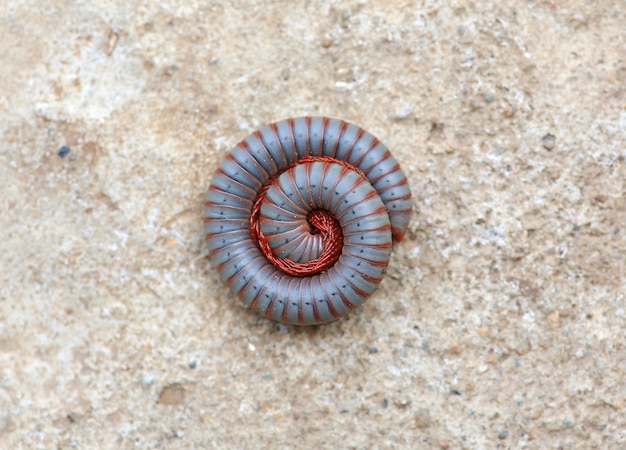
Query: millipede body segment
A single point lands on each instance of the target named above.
(300, 218)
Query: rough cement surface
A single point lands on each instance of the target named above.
(502, 321)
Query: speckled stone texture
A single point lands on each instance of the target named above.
(501, 323)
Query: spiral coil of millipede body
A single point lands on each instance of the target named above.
(300, 218)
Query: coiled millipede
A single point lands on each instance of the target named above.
(300, 217)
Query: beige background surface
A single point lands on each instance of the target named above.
(501, 323)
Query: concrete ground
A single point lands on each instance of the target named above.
(501, 323)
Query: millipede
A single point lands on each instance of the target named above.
(300, 218)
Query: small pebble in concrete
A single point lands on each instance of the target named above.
(64, 150)
(601, 198)
(489, 96)
(503, 433)
(549, 141)
(173, 394)
(403, 111)
(403, 402)
(147, 380)
(423, 418)
(568, 422)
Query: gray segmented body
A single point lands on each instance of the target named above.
(372, 205)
